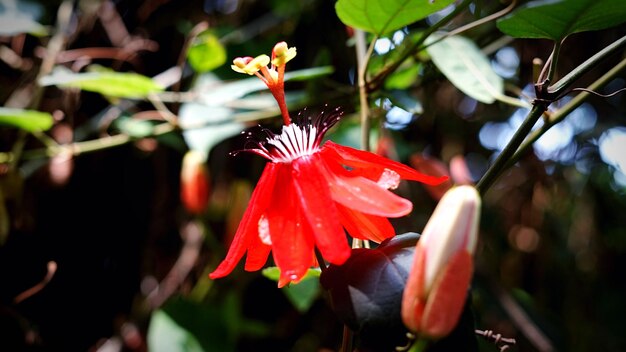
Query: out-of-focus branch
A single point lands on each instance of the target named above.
(536, 337)
(52, 268)
(192, 234)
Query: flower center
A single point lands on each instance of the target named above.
(300, 138)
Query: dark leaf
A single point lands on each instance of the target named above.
(366, 291)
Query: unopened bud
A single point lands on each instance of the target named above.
(194, 182)
(437, 286)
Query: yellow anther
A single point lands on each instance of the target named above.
(282, 54)
(249, 65)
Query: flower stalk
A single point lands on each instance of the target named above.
(273, 76)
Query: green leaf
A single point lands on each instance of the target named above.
(404, 77)
(165, 335)
(108, 83)
(468, 68)
(556, 19)
(184, 325)
(29, 120)
(273, 273)
(303, 294)
(206, 53)
(384, 16)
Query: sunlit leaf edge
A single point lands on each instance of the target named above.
(28, 120)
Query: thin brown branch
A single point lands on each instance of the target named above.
(522, 321)
(52, 268)
(192, 234)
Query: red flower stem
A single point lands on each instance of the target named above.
(262, 78)
(279, 94)
(281, 75)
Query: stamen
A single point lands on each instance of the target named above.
(300, 138)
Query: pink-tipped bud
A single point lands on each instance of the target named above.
(194, 182)
(437, 286)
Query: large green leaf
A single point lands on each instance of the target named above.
(108, 83)
(182, 325)
(206, 53)
(556, 19)
(384, 16)
(467, 67)
(29, 120)
(166, 335)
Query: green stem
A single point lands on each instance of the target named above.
(559, 115)
(479, 22)
(380, 77)
(502, 160)
(81, 147)
(544, 98)
(362, 58)
(419, 345)
(554, 59)
(564, 83)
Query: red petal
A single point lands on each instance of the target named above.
(447, 297)
(433, 167)
(413, 300)
(365, 226)
(257, 254)
(248, 227)
(319, 209)
(361, 159)
(292, 241)
(361, 194)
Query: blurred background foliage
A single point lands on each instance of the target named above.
(125, 263)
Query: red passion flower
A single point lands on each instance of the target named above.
(308, 193)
